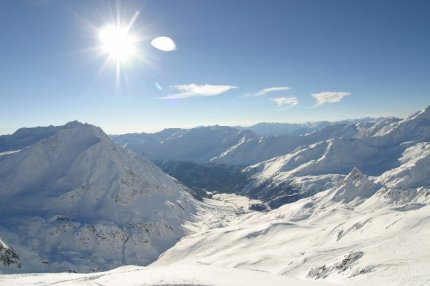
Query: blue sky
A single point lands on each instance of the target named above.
(236, 62)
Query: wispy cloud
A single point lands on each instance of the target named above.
(193, 90)
(329, 97)
(281, 101)
(272, 89)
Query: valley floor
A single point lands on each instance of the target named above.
(310, 242)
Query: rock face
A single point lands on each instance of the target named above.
(8, 257)
(76, 201)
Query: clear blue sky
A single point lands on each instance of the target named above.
(371, 57)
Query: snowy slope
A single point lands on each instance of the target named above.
(357, 229)
(375, 150)
(164, 275)
(321, 240)
(355, 233)
(76, 201)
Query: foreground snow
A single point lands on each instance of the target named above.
(164, 275)
(315, 241)
(361, 242)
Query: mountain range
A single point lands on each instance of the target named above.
(342, 202)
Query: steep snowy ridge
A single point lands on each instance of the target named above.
(413, 127)
(76, 201)
(355, 186)
(413, 169)
(397, 152)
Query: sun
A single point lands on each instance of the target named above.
(118, 43)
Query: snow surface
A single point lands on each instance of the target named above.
(160, 275)
(318, 238)
(76, 201)
(314, 241)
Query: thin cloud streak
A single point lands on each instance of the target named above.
(329, 97)
(195, 90)
(268, 90)
(281, 101)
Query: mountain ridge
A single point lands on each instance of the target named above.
(78, 192)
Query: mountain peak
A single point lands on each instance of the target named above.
(354, 175)
(355, 185)
(74, 124)
(118, 207)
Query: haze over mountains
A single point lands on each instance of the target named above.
(240, 146)
(344, 202)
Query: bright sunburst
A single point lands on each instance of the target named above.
(122, 46)
(117, 43)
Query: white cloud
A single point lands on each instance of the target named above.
(192, 90)
(281, 101)
(164, 44)
(272, 89)
(329, 97)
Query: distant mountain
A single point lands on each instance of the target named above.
(274, 128)
(296, 129)
(380, 150)
(198, 145)
(72, 200)
(227, 145)
(25, 137)
(283, 168)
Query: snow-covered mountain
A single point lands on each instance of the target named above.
(274, 128)
(296, 129)
(345, 204)
(361, 231)
(227, 145)
(282, 168)
(198, 144)
(378, 150)
(72, 200)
